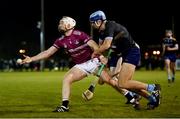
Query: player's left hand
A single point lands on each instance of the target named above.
(26, 59)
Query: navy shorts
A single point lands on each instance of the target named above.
(113, 60)
(171, 57)
(132, 56)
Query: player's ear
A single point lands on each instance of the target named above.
(68, 26)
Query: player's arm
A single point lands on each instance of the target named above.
(93, 44)
(105, 45)
(95, 47)
(100, 42)
(43, 55)
(163, 49)
(176, 47)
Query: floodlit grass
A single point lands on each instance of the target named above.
(36, 94)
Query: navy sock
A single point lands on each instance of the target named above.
(91, 88)
(129, 96)
(151, 98)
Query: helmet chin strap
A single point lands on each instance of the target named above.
(69, 29)
(64, 31)
(100, 26)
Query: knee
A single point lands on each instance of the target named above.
(113, 82)
(167, 66)
(123, 84)
(67, 79)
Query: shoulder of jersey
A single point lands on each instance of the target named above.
(174, 38)
(76, 32)
(165, 38)
(62, 37)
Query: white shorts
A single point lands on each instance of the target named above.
(90, 66)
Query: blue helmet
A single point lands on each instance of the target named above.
(98, 15)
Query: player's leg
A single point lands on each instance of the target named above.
(76, 73)
(73, 75)
(112, 66)
(114, 69)
(125, 81)
(128, 94)
(114, 83)
(168, 69)
(173, 70)
(173, 66)
(132, 98)
(131, 59)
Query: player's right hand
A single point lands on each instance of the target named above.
(26, 59)
(95, 54)
(103, 59)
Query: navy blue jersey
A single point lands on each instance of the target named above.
(122, 40)
(169, 42)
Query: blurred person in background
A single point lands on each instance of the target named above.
(170, 47)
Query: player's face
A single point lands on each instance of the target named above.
(61, 26)
(168, 34)
(93, 25)
(96, 24)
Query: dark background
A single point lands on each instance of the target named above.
(146, 21)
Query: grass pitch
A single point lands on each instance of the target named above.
(36, 95)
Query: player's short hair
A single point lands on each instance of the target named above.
(168, 31)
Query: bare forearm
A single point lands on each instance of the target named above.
(40, 56)
(93, 44)
(176, 47)
(102, 49)
(172, 49)
(106, 45)
(45, 54)
(163, 50)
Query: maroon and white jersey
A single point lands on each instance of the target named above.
(76, 46)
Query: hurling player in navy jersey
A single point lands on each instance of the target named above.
(117, 37)
(80, 48)
(170, 46)
(114, 63)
